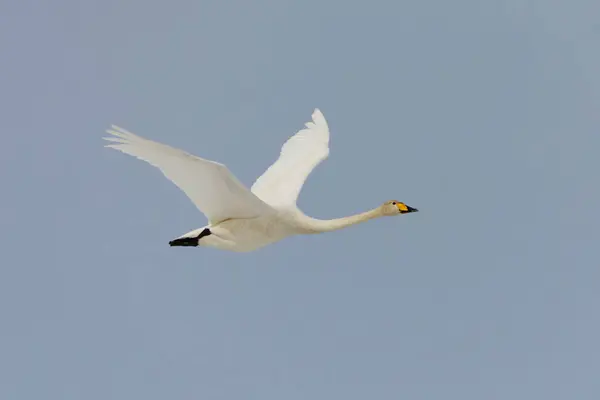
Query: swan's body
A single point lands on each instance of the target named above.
(241, 219)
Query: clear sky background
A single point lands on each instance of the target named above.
(482, 114)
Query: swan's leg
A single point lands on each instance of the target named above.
(190, 241)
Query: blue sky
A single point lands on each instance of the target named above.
(482, 114)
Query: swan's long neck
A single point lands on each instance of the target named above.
(313, 225)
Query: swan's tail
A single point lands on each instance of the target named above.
(191, 238)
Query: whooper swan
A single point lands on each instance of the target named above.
(240, 219)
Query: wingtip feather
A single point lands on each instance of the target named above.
(121, 135)
(318, 118)
(119, 129)
(115, 139)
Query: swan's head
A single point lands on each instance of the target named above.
(395, 207)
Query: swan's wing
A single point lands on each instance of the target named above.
(210, 185)
(280, 185)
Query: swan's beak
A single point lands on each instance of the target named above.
(407, 210)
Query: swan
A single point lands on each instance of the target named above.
(244, 220)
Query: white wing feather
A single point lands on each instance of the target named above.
(210, 185)
(280, 185)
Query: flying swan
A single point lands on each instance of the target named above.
(240, 219)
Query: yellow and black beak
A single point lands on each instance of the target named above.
(404, 209)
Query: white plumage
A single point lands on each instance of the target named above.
(281, 183)
(241, 219)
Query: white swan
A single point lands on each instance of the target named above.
(240, 219)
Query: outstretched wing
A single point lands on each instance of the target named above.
(210, 185)
(280, 185)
